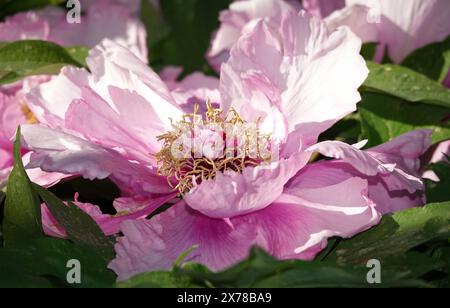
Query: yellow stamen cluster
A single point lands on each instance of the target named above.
(183, 172)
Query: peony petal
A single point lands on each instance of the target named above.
(286, 65)
(391, 191)
(385, 199)
(155, 244)
(405, 150)
(49, 108)
(42, 178)
(356, 18)
(292, 227)
(114, 65)
(233, 194)
(55, 151)
(132, 126)
(369, 165)
(234, 20)
(298, 224)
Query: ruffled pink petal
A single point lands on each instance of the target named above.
(356, 17)
(42, 178)
(368, 164)
(292, 227)
(297, 67)
(298, 224)
(385, 199)
(55, 151)
(133, 125)
(114, 65)
(156, 243)
(111, 65)
(251, 105)
(50, 109)
(233, 194)
(404, 150)
(391, 191)
(234, 20)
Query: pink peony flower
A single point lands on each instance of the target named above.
(401, 26)
(102, 19)
(283, 83)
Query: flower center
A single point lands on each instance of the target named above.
(199, 147)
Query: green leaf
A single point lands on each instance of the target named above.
(404, 83)
(439, 192)
(43, 263)
(80, 227)
(262, 271)
(10, 7)
(79, 54)
(396, 234)
(22, 214)
(161, 279)
(368, 50)
(30, 57)
(432, 60)
(384, 117)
